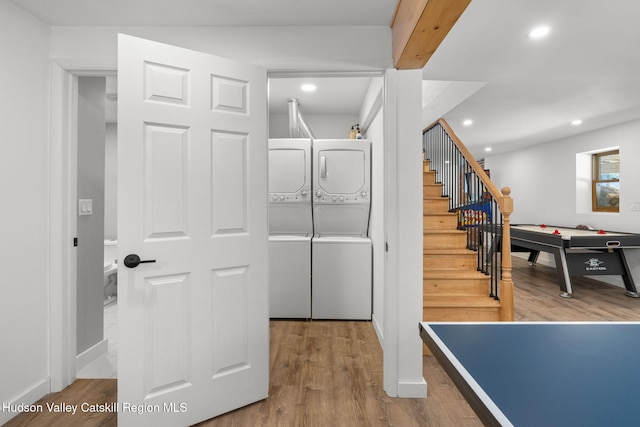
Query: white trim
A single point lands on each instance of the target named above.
(91, 354)
(373, 111)
(377, 327)
(288, 74)
(29, 397)
(62, 226)
(408, 210)
(390, 310)
(88, 66)
(414, 390)
(62, 301)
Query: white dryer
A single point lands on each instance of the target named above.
(341, 187)
(341, 248)
(290, 228)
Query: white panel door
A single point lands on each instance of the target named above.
(192, 188)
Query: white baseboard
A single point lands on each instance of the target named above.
(28, 398)
(415, 390)
(91, 354)
(378, 328)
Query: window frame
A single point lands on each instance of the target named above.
(595, 174)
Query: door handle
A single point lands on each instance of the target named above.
(133, 260)
(323, 166)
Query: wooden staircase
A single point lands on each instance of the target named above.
(453, 288)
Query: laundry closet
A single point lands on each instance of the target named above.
(321, 221)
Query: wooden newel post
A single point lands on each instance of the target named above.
(506, 282)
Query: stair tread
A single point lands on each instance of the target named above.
(460, 301)
(449, 251)
(439, 214)
(439, 231)
(430, 273)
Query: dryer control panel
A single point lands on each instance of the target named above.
(361, 196)
(303, 195)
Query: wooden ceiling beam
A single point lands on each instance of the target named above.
(418, 28)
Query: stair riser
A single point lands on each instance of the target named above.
(440, 222)
(445, 241)
(428, 177)
(439, 205)
(457, 314)
(461, 281)
(460, 262)
(432, 190)
(431, 287)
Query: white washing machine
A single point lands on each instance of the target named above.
(290, 277)
(342, 278)
(341, 250)
(290, 228)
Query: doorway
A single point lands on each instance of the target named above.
(96, 180)
(63, 211)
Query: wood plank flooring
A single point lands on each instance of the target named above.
(81, 391)
(330, 373)
(537, 297)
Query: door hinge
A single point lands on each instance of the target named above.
(386, 246)
(75, 241)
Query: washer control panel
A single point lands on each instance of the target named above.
(302, 195)
(358, 197)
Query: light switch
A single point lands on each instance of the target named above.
(85, 206)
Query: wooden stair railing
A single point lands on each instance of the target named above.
(463, 183)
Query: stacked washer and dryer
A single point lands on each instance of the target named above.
(319, 250)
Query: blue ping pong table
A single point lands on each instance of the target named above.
(543, 373)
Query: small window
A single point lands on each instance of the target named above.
(606, 182)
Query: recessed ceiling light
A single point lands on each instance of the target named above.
(308, 87)
(487, 149)
(576, 122)
(539, 32)
(467, 122)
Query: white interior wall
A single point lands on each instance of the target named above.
(403, 270)
(409, 244)
(90, 228)
(375, 133)
(546, 187)
(275, 48)
(111, 182)
(323, 126)
(24, 157)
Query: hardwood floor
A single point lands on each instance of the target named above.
(81, 391)
(537, 297)
(330, 373)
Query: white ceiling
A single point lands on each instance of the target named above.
(211, 12)
(516, 90)
(588, 68)
(333, 95)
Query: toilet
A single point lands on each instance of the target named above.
(110, 271)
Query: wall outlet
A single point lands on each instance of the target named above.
(635, 206)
